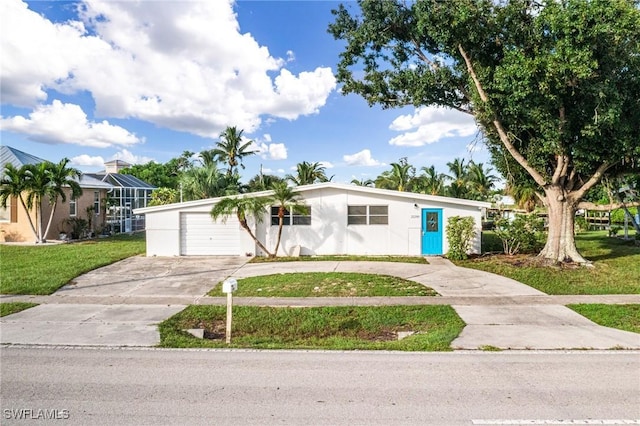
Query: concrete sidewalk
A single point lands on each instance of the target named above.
(499, 312)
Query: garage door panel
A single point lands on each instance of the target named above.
(201, 236)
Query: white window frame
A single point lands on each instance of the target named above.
(290, 218)
(367, 215)
(73, 207)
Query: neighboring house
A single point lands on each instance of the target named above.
(98, 192)
(342, 219)
(128, 193)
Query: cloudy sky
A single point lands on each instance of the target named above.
(147, 80)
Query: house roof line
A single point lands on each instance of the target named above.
(330, 185)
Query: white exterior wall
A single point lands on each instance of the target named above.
(163, 232)
(330, 234)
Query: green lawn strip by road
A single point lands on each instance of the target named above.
(336, 328)
(341, 258)
(326, 284)
(616, 268)
(14, 307)
(623, 317)
(42, 269)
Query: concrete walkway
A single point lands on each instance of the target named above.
(499, 312)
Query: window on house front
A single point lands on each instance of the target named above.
(367, 215)
(96, 203)
(73, 207)
(291, 217)
(5, 212)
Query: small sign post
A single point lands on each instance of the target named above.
(229, 286)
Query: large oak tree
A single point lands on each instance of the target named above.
(554, 85)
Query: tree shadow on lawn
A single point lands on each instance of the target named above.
(607, 248)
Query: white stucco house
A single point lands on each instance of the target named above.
(342, 219)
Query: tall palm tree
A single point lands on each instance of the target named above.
(458, 186)
(37, 185)
(286, 199)
(480, 180)
(399, 178)
(243, 206)
(14, 185)
(431, 182)
(59, 177)
(308, 173)
(231, 150)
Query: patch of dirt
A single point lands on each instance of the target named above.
(526, 260)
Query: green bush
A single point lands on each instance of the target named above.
(617, 216)
(521, 235)
(460, 233)
(581, 224)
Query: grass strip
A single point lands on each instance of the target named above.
(42, 269)
(622, 317)
(14, 307)
(334, 328)
(326, 284)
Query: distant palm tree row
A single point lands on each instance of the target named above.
(471, 180)
(215, 173)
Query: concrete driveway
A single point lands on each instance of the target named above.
(120, 304)
(140, 276)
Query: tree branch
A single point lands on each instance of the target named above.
(593, 180)
(588, 205)
(498, 125)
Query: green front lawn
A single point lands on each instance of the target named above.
(33, 269)
(616, 267)
(338, 328)
(330, 284)
(341, 258)
(623, 317)
(14, 307)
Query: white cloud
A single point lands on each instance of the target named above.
(326, 164)
(67, 123)
(179, 65)
(87, 161)
(431, 124)
(291, 56)
(362, 158)
(129, 157)
(267, 150)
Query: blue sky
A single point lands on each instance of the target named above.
(139, 81)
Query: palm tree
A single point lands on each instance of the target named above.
(308, 173)
(261, 182)
(37, 185)
(231, 150)
(14, 185)
(60, 176)
(480, 181)
(431, 182)
(243, 206)
(363, 182)
(199, 183)
(524, 194)
(399, 178)
(286, 199)
(458, 187)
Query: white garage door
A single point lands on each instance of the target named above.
(201, 236)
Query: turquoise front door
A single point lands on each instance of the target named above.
(431, 231)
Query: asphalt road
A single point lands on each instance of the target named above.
(190, 387)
